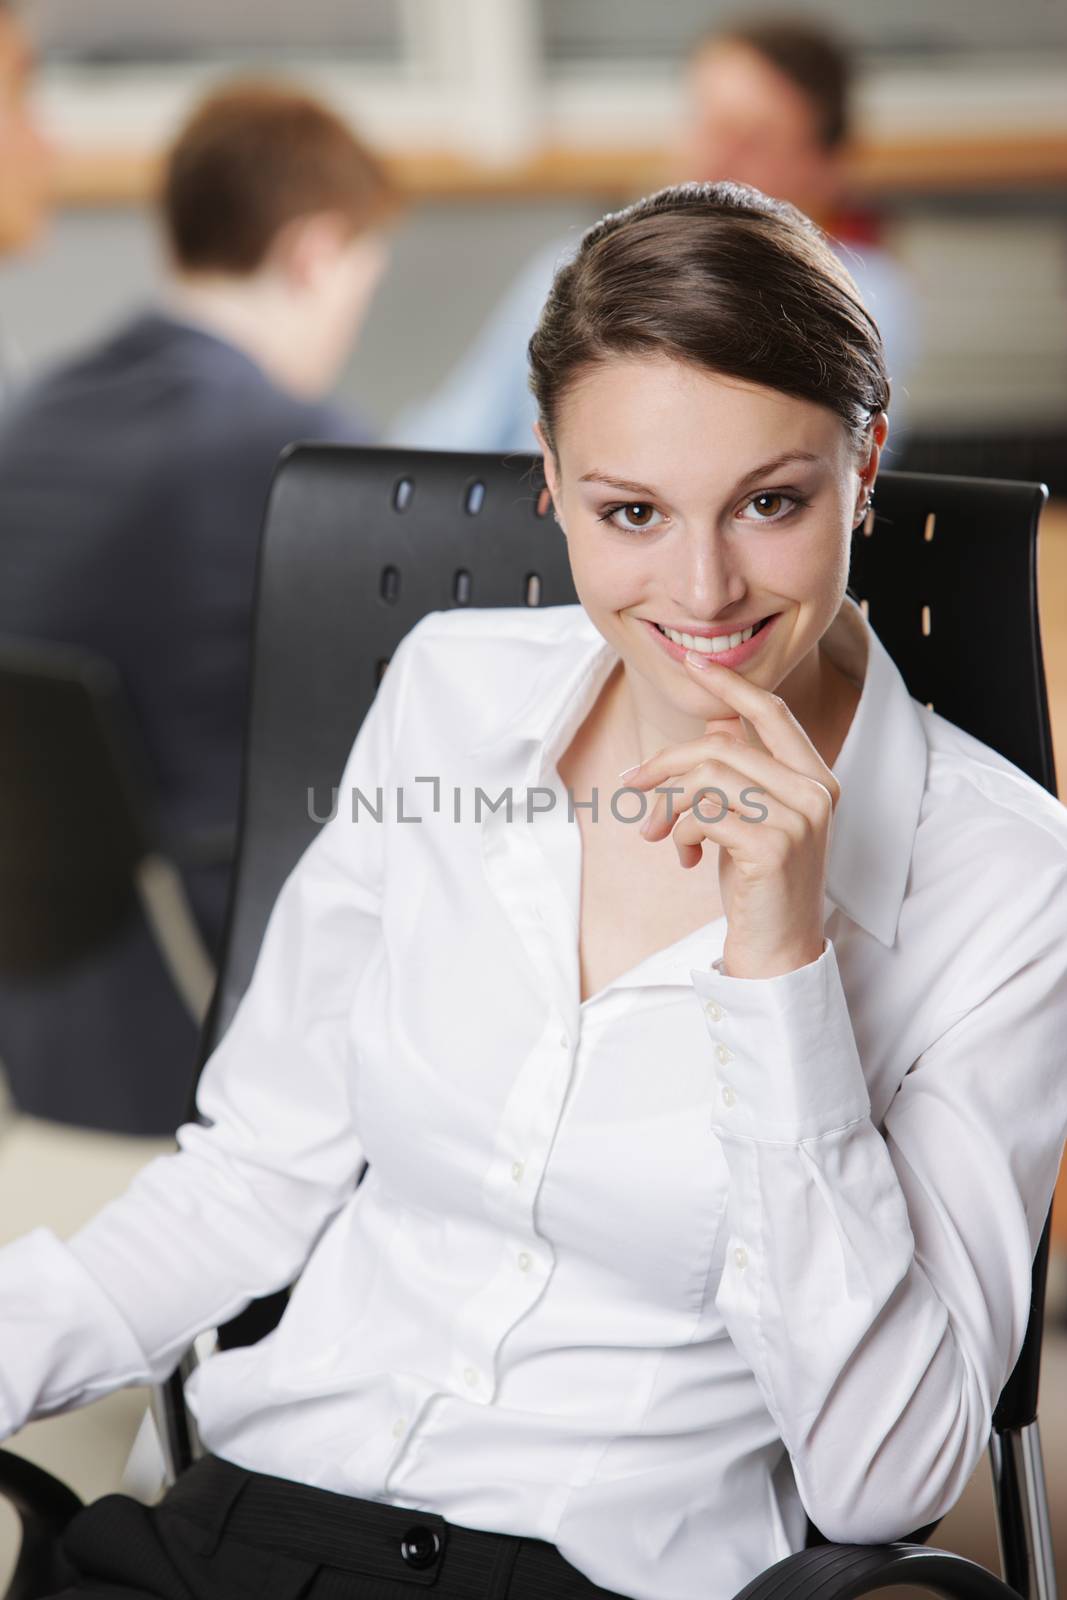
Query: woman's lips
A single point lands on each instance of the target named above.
(729, 658)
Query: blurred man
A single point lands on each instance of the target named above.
(765, 102)
(133, 481)
(24, 161)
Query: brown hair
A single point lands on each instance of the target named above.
(722, 276)
(253, 156)
(812, 57)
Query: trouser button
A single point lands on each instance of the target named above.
(420, 1546)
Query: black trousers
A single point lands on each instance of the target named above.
(222, 1533)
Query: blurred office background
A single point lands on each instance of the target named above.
(511, 123)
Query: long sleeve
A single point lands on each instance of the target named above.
(877, 1281)
(234, 1213)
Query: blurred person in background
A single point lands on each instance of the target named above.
(133, 482)
(24, 165)
(766, 102)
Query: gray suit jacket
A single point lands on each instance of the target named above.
(133, 480)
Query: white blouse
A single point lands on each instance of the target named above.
(645, 1276)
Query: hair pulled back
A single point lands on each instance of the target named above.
(724, 277)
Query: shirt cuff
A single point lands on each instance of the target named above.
(783, 1052)
(62, 1341)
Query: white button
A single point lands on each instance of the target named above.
(525, 1260)
(470, 1376)
(516, 1170)
(723, 1054)
(714, 1010)
(564, 1041)
(741, 1257)
(728, 1096)
(398, 1427)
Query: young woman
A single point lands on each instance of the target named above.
(706, 1161)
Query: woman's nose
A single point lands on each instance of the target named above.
(707, 581)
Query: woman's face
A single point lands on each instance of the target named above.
(676, 516)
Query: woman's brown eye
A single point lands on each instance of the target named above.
(633, 518)
(768, 496)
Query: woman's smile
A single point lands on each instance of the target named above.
(736, 654)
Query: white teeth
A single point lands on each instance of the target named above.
(710, 647)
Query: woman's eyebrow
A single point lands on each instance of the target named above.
(757, 472)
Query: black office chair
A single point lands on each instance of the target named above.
(359, 544)
(84, 864)
(80, 846)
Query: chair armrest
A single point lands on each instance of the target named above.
(174, 927)
(842, 1571)
(44, 1506)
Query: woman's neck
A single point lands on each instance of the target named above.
(818, 693)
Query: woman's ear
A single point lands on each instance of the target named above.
(879, 432)
(868, 472)
(550, 464)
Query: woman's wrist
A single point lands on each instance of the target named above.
(739, 963)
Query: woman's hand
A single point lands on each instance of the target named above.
(775, 834)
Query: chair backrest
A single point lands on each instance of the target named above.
(360, 543)
(73, 806)
(946, 559)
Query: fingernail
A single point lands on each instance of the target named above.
(697, 658)
(625, 773)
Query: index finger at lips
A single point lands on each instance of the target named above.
(773, 722)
